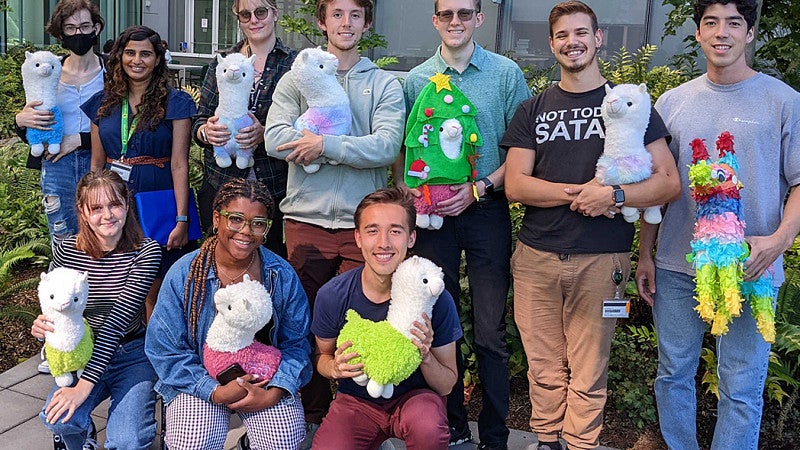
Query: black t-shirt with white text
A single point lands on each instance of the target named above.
(566, 131)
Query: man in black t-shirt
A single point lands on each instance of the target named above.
(573, 251)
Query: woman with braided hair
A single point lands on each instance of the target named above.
(198, 407)
(140, 129)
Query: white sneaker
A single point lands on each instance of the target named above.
(43, 366)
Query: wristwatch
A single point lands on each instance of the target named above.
(203, 136)
(488, 186)
(618, 195)
(181, 219)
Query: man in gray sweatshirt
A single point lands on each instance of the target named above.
(319, 206)
(760, 112)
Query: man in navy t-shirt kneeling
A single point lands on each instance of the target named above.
(416, 411)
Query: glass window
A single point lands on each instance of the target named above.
(410, 34)
(526, 37)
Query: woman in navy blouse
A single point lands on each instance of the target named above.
(140, 129)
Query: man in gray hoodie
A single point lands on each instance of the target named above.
(319, 207)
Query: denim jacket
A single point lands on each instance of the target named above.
(178, 360)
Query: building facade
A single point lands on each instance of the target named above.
(196, 29)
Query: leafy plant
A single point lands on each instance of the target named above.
(627, 67)
(299, 23)
(631, 373)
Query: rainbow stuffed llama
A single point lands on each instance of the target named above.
(718, 245)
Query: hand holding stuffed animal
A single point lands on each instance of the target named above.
(41, 73)
(385, 347)
(62, 296)
(441, 141)
(314, 72)
(242, 310)
(235, 74)
(625, 160)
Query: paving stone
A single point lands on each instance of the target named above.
(15, 409)
(19, 373)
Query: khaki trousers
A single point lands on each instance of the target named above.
(558, 302)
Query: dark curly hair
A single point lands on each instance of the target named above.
(154, 101)
(65, 9)
(195, 288)
(747, 8)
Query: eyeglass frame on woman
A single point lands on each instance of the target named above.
(447, 15)
(247, 15)
(245, 222)
(88, 25)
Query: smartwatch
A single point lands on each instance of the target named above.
(181, 219)
(618, 195)
(202, 129)
(488, 186)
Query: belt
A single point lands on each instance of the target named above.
(141, 160)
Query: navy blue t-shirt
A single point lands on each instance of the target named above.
(345, 292)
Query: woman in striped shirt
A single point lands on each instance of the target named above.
(121, 264)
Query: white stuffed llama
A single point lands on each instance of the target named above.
(41, 72)
(242, 309)
(385, 348)
(625, 160)
(314, 72)
(235, 74)
(62, 296)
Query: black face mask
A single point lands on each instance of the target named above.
(80, 44)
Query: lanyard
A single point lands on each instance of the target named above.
(124, 131)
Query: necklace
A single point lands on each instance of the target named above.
(232, 279)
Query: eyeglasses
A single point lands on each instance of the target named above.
(236, 222)
(464, 15)
(261, 13)
(86, 28)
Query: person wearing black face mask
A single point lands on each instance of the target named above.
(80, 43)
(76, 24)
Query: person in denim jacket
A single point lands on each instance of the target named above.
(198, 407)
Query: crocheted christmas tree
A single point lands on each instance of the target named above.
(441, 136)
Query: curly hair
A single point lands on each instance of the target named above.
(154, 101)
(195, 288)
(114, 187)
(65, 9)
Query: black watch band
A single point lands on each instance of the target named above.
(488, 186)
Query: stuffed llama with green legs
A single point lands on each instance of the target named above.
(63, 294)
(386, 347)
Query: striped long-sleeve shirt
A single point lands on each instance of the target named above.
(118, 286)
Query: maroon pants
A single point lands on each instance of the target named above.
(318, 254)
(418, 417)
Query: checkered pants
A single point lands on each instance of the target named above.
(193, 423)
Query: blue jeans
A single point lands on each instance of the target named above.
(128, 380)
(483, 232)
(742, 359)
(58, 184)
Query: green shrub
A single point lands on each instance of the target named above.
(631, 373)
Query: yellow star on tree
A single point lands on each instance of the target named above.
(441, 81)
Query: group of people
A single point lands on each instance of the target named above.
(326, 242)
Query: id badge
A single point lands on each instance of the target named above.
(616, 308)
(124, 170)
